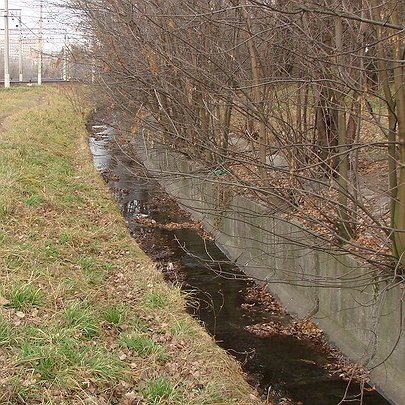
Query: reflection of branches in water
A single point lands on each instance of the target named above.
(352, 280)
(234, 274)
(208, 300)
(140, 170)
(221, 269)
(173, 110)
(315, 241)
(371, 254)
(248, 354)
(354, 283)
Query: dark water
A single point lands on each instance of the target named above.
(286, 366)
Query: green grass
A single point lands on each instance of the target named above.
(18, 98)
(143, 346)
(83, 318)
(94, 272)
(115, 315)
(155, 300)
(86, 263)
(35, 200)
(183, 327)
(54, 357)
(43, 359)
(103, 365)
(24, 296)
(13, 261)
(79, 319)
(5, 332)
(161, 390)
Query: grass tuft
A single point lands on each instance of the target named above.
(35, 200)
(155, 300)
(115, 315)
(44, 360)
(182, 327)
(86, 263)
(159, 390)
(5, 332)
(104, 365)
(13, 261)
(81, 317)
(143, 346)
(24, 296)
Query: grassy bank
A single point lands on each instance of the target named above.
(84, 316)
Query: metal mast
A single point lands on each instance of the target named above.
(40, 43)
(6, 47)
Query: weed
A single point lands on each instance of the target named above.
(213, 394)
(5, 332)
(93, 274)
(86, 263)
(13, 261)
(81, 317)
(155, 300)
(108, 267)
(24, 296)
(94, 248)
(143, 345)
(4, 210)
(43, 359)
(51, 251)
(55, 356)
(138, 325)
(3, 235)
(95, 277)
(182, 327)
(115, 314)
(65, 238)
(160, 389)
(68, 200)
(35, 200)
(102, 364)
(140, 344)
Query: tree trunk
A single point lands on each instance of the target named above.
(399, 84)
(257, 91)
(344, 227)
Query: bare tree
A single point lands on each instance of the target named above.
(301, 102)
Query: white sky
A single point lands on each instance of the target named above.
(55, 22)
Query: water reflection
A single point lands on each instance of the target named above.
(285, 365)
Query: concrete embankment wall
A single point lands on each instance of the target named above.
(361, 317)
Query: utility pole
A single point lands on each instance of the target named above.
(6, 47)
(20, 56)
(40, 44)
(65, 59)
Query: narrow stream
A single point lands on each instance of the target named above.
(289, 368)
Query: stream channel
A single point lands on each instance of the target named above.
(288, 369)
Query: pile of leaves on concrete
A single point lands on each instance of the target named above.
(85, 318)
